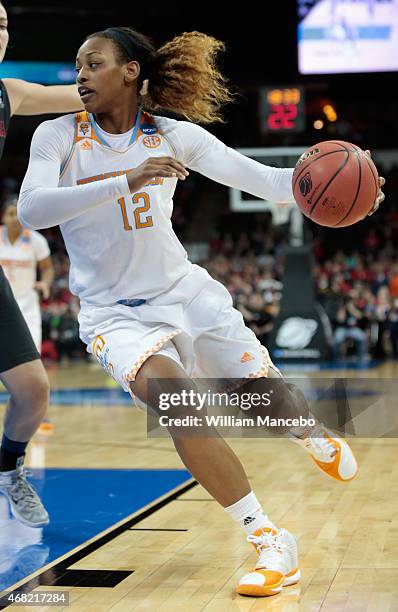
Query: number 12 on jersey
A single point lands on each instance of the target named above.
(139, 221)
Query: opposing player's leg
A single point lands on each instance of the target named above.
(24, 376)
(32, 315)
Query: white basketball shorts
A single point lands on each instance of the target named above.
(194, 323)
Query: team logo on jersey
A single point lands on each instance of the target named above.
(26, 237)
(86, 145)
(148, 129)
(84, 129)
(101, 351)
(151, 142)
(3, 132)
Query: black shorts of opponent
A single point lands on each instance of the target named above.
(16, 343)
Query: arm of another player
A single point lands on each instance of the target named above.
(46, 277)
(34, 99)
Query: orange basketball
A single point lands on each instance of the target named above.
(335, 183)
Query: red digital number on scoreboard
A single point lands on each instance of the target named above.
(282, 109)
(282, 117)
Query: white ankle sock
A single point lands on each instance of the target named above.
(249, 514)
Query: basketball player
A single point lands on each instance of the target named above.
(22, 251)
(21, 370)
(107, 176)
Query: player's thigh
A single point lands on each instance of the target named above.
(17, 345)
(162, 374)
(224, 346)
(227, 349)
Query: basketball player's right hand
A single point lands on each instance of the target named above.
(165, 167)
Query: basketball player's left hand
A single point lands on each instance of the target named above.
(380, 195)
(42, 288)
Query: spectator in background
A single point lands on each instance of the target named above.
(382, 307)
(394, 281)
(255, 314)
(347, 326)
(371, 240)
(61, 331)
(22, 252)
(392, 327)
(67, 333)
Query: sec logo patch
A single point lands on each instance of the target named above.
(151, 141)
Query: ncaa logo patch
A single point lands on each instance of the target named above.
(305, 184)
(84, 129)
(151, 142)
(148, 129)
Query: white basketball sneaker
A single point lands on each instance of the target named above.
(277, 563)
(329, 452)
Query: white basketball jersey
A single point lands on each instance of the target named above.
(121, 250)
(19, 259)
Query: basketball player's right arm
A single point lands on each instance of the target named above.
(42, 203)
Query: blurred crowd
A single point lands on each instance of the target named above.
(356, 276)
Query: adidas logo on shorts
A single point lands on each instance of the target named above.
(246, 357)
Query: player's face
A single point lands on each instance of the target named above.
(10, 219)
(3, 32)
(101, 79)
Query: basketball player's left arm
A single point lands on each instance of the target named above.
(34, 99)
(203, 152)
(46, 277)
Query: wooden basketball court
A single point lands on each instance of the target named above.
(181, 552)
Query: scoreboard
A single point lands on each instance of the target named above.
(282, 109)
